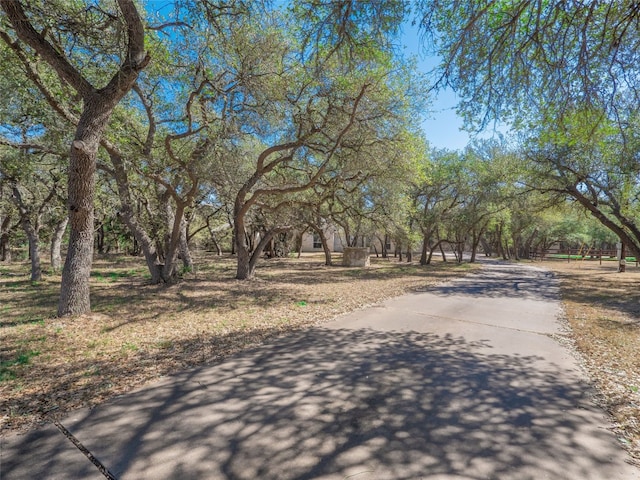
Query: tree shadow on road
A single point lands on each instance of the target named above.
(354, 404)
(506, 280)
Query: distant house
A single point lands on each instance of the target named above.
(311, 242)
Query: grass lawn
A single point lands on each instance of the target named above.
(138, 332)
(603, 309)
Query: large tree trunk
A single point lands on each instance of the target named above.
(243, 269)
(56, 244)
(98, 104)
(74, 290)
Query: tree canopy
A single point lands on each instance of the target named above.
(252, 122)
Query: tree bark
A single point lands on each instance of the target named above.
(475, 242)
(100, 238)
(632, 241)
(444, 255)
(172, 245)
(5, 252)
(325, 245)
(486, 247)
(98, 104)
(268, 236)
(34, 253)
(185, 252)
(243, 270)
(30, 222)
(56, 244)
(74, 291)
(212, 235)
(130, 219)
(426, 239)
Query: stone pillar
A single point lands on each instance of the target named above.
(355, 257)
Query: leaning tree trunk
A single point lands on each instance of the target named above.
(444, 255)
(214, 240)
(257, 252)
(432, 251)
(185, 253)
(324, 242)
(243, 269)
(217, 246)
(169, 271)
(56, 244)
(426, 240)
(130, 218)
(325, 248)
(31, 230)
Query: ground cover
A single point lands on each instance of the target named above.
(138, 332)
(602, 307)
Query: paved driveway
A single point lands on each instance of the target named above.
(466, 381)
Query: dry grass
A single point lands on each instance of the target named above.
(138, 332)
(603, 310)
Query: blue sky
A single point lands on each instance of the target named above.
(443, 126)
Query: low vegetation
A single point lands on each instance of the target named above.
(603, 310)
(138, 332)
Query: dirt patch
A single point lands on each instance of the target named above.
(603, 309)
(138, 332)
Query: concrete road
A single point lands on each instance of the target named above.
(465, 381)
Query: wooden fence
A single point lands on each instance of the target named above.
(576, 255)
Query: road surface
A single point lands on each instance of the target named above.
(466, 381)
